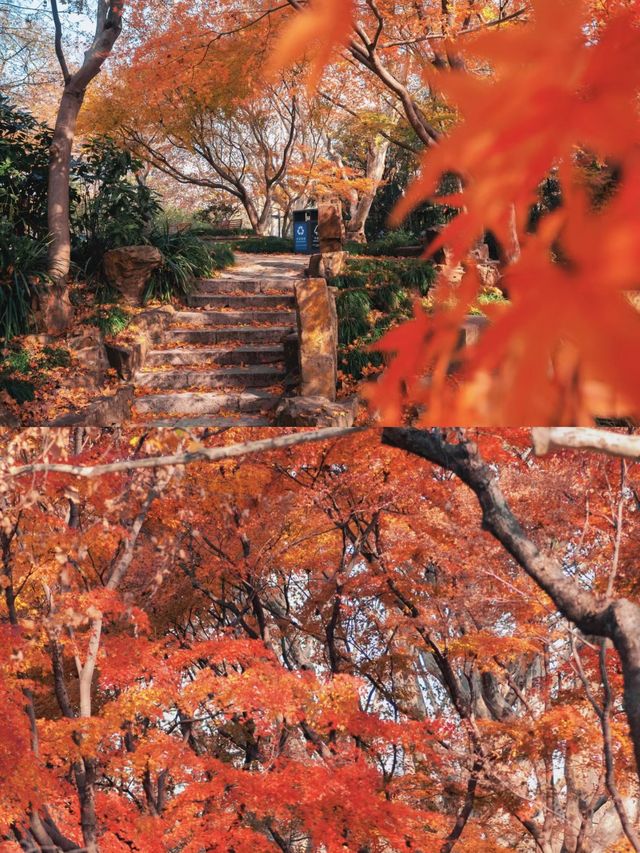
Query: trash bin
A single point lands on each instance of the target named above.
(305, 231)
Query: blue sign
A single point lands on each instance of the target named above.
(301, 236)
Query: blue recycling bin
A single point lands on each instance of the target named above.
(305, 231)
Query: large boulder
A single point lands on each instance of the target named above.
(330, 226)
(128, 270)
(327, 265)
(317, 338)
(315, 412)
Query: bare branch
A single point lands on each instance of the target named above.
(204, 454)
(545, 440)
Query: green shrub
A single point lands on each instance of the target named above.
(350, 279)
(24, 165)
(16, 361)
(416, 274)
(205, 229)
(390, 298)
(113, 207)
(186, 257)
(386, 285)
(386, 245)
(23, 264)
(264, 245)
(353, 309)
(221, 255)
(110, 320)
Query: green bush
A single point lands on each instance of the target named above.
(24, 165)
(21, 390)
(221, 255)
(16, 361)
(264, 245)
(16, 364)
(205, 229)
(54, 357)
(23, 264)
(386, 245)
(390, 298)
(353, 309)
(186, 257)
(373, 295)
(387, 274)
(113, 207)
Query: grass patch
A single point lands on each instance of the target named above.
(111, 320)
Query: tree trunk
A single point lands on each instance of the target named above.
(55, 305)
(264, 223)
(55, 308)
(376, 161)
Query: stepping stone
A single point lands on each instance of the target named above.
(256, 376)
(223, 318)
(220, 355)
(239, 285)
(255, 301)
(220, 422)
(195, 404)
(226, 334)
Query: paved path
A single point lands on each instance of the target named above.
(221, 361)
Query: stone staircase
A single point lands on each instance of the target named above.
(220, 362)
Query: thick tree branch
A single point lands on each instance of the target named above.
(616, 619)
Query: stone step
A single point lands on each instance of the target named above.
(196, 404)
(219, 355)
(243, 285)
(256, 376)
(226, 334)
(211, 421)
(231, 318)
(255, 301)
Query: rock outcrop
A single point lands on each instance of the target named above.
(128, 270)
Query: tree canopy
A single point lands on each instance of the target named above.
(313, 647)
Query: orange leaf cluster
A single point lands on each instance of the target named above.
(561, 92)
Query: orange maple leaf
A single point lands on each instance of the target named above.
(321, 28)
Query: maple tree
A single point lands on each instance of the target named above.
(314, 647)
(553, 353)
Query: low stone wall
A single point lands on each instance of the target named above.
(129, 356)
(109, 410)
(88, 348)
